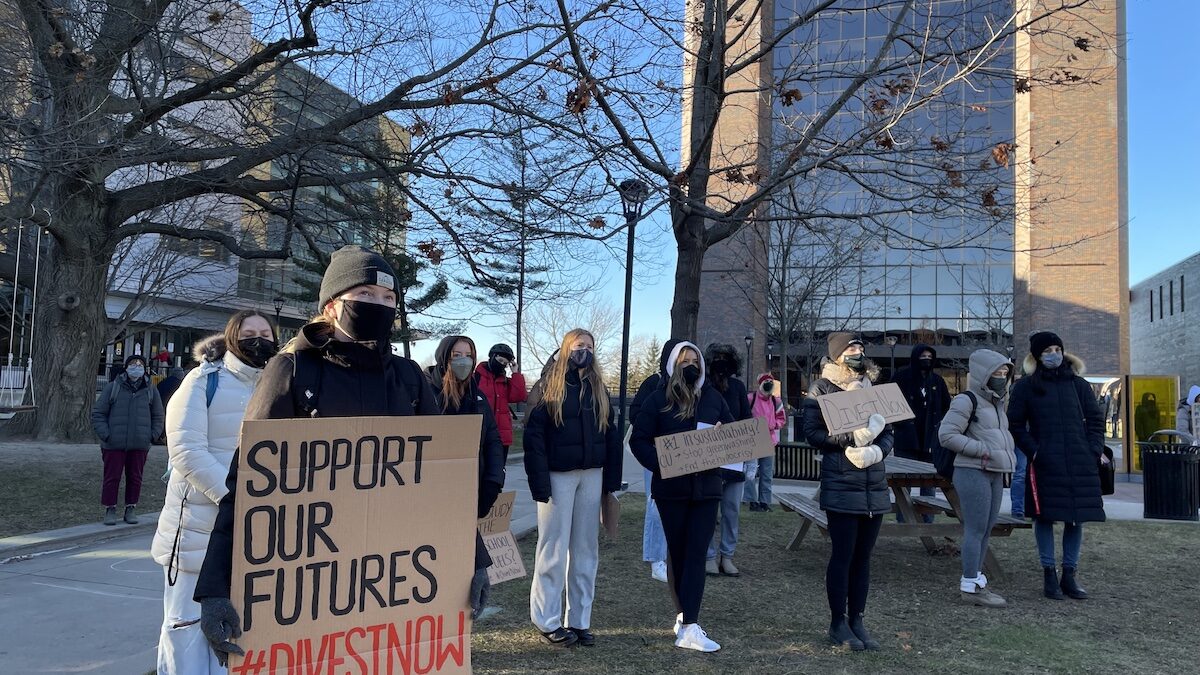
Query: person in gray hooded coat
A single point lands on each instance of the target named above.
(127, 417)
(975, 429)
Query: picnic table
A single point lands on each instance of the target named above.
(902, 475)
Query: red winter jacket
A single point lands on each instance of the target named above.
(500, 392)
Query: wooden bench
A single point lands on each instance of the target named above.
(810, 514)
(939, 505)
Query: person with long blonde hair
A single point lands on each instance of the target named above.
(572, 457)
(687, 504)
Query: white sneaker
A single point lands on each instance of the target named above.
(678, 624)
(658, 571)
(694, 637)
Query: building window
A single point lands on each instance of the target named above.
(1182, 297)
(1151, 305)
(1160, 302)
(1171, 285)
(202, 248)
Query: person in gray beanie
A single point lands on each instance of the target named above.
(340, 365)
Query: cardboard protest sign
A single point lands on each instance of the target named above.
(846, 411)
(610, 514)
(694, 451)
(354, 544)
(499, 541)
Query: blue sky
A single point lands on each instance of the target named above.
(1164, 137)
(1164, 170)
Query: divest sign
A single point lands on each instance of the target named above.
(353, 545)
(845, 411)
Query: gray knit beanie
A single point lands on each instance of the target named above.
(352, 266)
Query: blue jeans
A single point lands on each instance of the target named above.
(759, 477)
(725, 537)
(654, 541)
(1017, 491)
(1072, 542)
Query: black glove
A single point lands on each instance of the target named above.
(488, 493)
(219, 622)
(481, 589)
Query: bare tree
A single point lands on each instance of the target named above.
(548, 323)
(114, 111)
(899, 115)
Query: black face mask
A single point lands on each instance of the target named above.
(367, 321)
(257, 350)
(768, 387)
(495, 367)
(691, 373)
(581, 358)
(926, 364)
(857, 362)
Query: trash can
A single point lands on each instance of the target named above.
(1170, 480)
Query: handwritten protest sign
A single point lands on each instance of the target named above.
(846, 411)
(353, 545)
(499, 541)
(693, 451)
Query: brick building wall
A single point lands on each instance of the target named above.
(1164, 320)
(1071, 265)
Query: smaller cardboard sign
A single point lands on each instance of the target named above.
(506, 558)
(499, 541)
(703, 449)
(846, 411)
(500, 517)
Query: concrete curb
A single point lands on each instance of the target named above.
(72, 537)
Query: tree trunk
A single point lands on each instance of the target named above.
(68, 342)
(685, 307)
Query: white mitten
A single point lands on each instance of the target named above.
(864, 457)
(863, 437)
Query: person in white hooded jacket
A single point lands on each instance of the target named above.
(204, 420)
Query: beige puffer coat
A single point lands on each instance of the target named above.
(201, 440)
(988, 434)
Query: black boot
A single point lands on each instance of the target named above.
(1050, 584)
(840, 634)
(860, 631)
(1072, 587)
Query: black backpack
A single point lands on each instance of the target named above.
(943, 459)
(306, 382)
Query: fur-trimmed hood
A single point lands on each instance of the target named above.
(718, 350)
(846, 378)
(211, 349)
(1030, 365)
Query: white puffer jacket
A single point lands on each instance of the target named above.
(201, 440)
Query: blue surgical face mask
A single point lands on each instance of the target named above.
(135, 372)
(1052, 360)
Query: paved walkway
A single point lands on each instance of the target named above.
(97, 608)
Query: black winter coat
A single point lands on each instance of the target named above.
(1057, 423)
(652, 421)
(577, 444)
(647, 387)
(491, 457)
(915, 437)
(128, 415)
(353, 381)
(845, 488)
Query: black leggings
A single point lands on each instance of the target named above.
(688, 526)
(848, 576)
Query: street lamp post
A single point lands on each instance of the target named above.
(749, 343)
(278, 309)
(633, 195)
(891, 340)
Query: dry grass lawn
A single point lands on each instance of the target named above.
(1143, 617)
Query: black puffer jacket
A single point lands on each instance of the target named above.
(491, 451)
(128, 415)
(914, 438)
(350, 379)
(845, 488)
(1057, 423)
(577, 444)
(655, 420)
